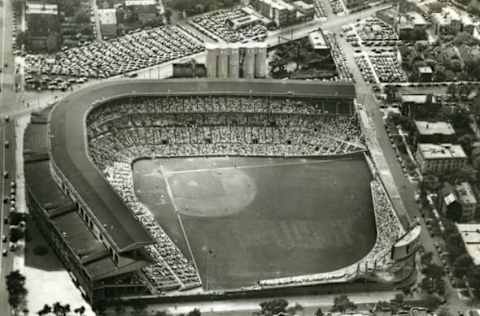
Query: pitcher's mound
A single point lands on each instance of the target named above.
(213, 193)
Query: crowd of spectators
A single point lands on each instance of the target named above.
(117, 56)
(202, 126)
(170, 270)
(214, 24)
(387, 67)
(389, 228)
(125, 129)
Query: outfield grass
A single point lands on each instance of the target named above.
(248, 219)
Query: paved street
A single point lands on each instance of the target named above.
(7, 133)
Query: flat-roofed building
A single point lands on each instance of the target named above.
(280, 12)
(468, 200)
(412, 104)
(108, 22)
(434, 132)
(42, 21)
(440, 158)
(146, 10)
(41, 8)
(307, 9)
(452, 21)
(470, 234)
(425, 73)
(317, 41)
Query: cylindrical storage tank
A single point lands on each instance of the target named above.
(223, 62)
(261, 61)
(212, 55)
(249, 62)
(234, 62)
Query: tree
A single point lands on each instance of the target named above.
(293, 310)
(16, 234)
(16, 288)
(319, 312)
(168, 15)
(432, 302)
(452, 90)
(81, 310)
(466, 142)
(273, 307)
(444, 312)
(454, 211)
(45, 310)
(426, 258)
(433, 271)
(462, 265)
(342, 304)
(194, 312)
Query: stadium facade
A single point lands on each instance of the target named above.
(96, 236)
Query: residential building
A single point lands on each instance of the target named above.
(282, 13)
(414, 104)
(108, 22)
(42, 21)
(433, 132)
(451, 21)
(440, 158)
(458, 198)
(146, 10)
(470, 234)
(467, 199)
(425, 74)
(317, 41)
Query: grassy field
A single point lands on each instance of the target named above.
(248, 219)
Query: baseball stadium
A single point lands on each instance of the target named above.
(167, 189)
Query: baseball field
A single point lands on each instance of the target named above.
(247, 219)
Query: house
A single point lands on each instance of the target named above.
(439, 158)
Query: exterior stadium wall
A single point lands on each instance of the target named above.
(58, 244)
(67, 187)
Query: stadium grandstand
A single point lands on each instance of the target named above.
(78, 159)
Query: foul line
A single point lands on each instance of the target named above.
(170, 195)
(280, 164)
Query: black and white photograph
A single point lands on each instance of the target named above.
(240, 157)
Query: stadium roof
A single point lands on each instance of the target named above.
(69, 148)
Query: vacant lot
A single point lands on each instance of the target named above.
(248, 219)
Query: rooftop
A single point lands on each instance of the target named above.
(415, 98)
(465, 193)
(41, 8)
(279, 4)
(441, 151)
(140, 2)
(425, 70)
(432, 128)
(470, 234)
(107, 16)
(317, 40)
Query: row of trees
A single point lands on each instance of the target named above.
(200, 6)
(61, 310)
(17, 293)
